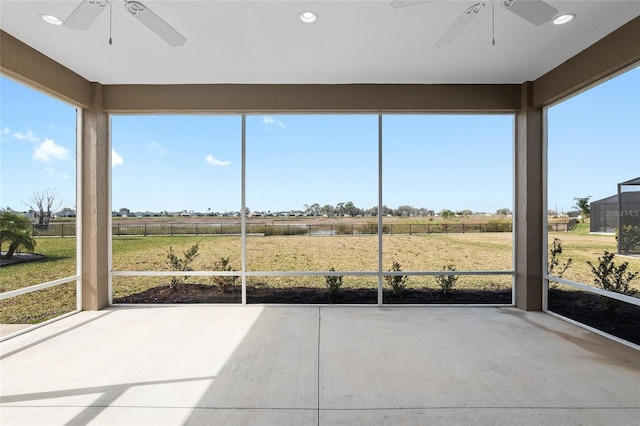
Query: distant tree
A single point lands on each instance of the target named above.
(386, 211)
(423, 212)
(446, 214)
(328, 210)
(373, 211)
(466, 213)
(503, 212)
(351, 209)
(583, 205)
(16, 230)
(404, 211)
(311, 210)
(42, 203)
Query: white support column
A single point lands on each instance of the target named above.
(243, 206)
(380, 216)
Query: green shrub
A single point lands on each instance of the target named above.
(256, 229)
(398, 283)
(554, 262)
(176, 263)
(371, 228)
(227, 281)
(498, 226)
(334, 283)
(612, 278)
(344, 229)
(16, 230)
(273, 230)
(446, 282)
(630, 237)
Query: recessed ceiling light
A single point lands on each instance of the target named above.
(50, 19)
(308, 17)
(563, 19)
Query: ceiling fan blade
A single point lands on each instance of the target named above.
(399, 4)
(155, 23)
(85, 14)
(462, 21)
(535, 11)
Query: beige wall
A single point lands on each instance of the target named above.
(95, 211)
(529, 203)
(369, 98)
(612, 54)
(21, 62)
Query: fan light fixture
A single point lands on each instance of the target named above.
(308, 17)
(563, 19)
(50, 19)
(88, 11)
(536, 12)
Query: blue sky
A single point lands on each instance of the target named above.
(594, 141)
(177, 163)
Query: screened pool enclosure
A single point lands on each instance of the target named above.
(628, 215)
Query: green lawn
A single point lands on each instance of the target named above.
(59, 262)
(486, 251)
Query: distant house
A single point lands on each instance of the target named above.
(66, 212)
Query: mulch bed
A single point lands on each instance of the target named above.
(199, 293)
(583, 307)
(589, 309)
(19, 258)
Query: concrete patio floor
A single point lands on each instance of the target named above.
(235, 365)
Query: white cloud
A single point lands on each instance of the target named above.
(49, 151)
(116, 159)
(215, 162)
(29, 136)
(157, 147)
(270, 121)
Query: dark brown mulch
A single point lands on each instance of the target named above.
(583, 307)
(184, 293)
(306, 295)
(454, 297)
(199, 293)
(589, 309)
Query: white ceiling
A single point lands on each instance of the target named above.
(361, 41)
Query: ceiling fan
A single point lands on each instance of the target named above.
(536, 12)
(88, 11)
